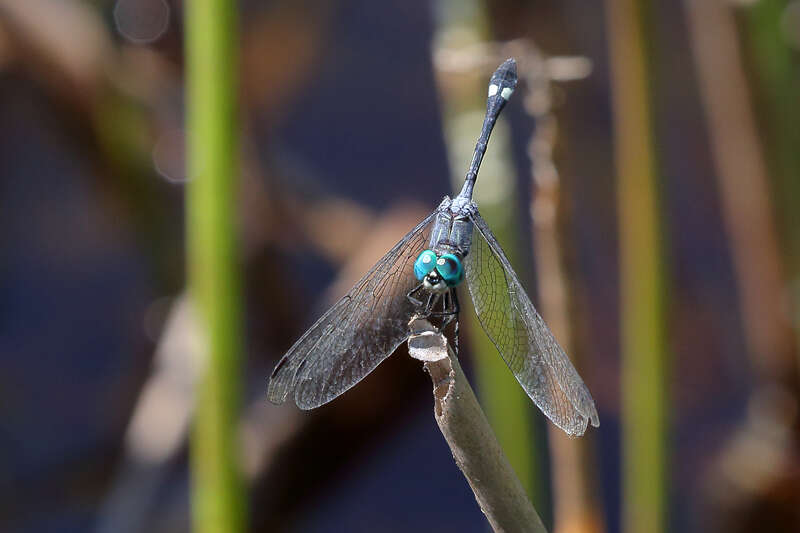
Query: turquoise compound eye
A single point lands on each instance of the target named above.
(449, 267)
(424, 264)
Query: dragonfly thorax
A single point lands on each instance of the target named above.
(452, 228)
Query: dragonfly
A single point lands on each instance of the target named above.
(418, 278)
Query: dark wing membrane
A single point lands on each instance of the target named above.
(357, 333)
(521, 336)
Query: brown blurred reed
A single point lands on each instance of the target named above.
(752, 482)
(576, 507)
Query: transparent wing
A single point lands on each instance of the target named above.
(521, 336)
(357, 333)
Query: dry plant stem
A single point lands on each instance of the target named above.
(743, 181)
(158, 425)
(476, 451)
(575, 508)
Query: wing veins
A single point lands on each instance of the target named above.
(522, 337)
(302, 369)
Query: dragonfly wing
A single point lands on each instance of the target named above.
(355, 335)
(523, 339)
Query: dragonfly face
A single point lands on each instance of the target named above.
(438, 273)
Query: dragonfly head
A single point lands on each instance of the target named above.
(438, 273)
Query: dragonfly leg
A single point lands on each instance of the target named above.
(453, 315)
(412, 299)
(450, 308)
(432, 299)
(450, 305)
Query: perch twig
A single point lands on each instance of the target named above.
(475, 449)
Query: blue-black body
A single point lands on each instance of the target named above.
(453, 227)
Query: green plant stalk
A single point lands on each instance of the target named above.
(211, 43)
(642, 279)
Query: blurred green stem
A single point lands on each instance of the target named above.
(642, 283)
(217, 495)
(777, 85)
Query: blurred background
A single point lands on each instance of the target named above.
(644, 182)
